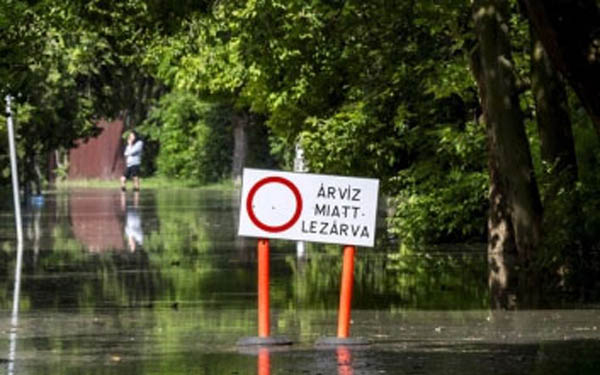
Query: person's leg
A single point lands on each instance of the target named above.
(135, 175)
(127, 174)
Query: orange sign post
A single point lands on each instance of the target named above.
(264, 323)
(344, 310)
(343, 330)
(264, 337)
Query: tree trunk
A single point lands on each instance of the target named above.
(563, 217)
(552, 112)
(570, 33)
(515, 207)
(240, 145)
(502, 251)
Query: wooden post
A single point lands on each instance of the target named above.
(346, 292)
(263, 288)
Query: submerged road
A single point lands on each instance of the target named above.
(158, 283)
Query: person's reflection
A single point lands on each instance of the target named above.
(133, 222)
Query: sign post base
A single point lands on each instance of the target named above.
(264, 341)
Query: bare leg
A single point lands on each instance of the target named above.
(123, 179)
(136, 183)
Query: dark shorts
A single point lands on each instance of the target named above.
(132, 171)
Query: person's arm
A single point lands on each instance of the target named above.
(136, 148)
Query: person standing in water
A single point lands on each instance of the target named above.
(133, 159)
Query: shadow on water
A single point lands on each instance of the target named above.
(158, 282)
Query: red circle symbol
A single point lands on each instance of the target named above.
(270, 228)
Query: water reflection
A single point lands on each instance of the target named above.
(14, 321)
(264, 362)
(32, 225)
(96, 218)
(344, 361)
(101, 247)
(133, 223)
(288, 361)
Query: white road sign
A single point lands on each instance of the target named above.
(308, 207)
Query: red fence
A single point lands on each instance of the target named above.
(100, 157)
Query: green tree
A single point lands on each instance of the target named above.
(54, 64)
(69, 63)
(195, 137)
(203, 58)
(361, 86)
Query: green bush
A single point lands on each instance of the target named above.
(445, 207)
(195, 138)
(442, 196)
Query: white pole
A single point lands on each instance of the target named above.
(13, 169)
(18, 266)
(299, 166)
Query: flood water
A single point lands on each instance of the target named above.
(159, 283)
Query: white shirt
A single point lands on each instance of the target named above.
(133, 153)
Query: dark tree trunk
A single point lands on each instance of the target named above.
(515, 207)
(503, 257)
(563, 211)
(554, 124)
(240, 145)
(570, 33)
(502, 250)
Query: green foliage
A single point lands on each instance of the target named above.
(448, 208)
(442, 195)
(54, 78)
(53, 64)
(351, 142)
(68, 63)
(195, 137)
(199, 58)
(371, 89)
